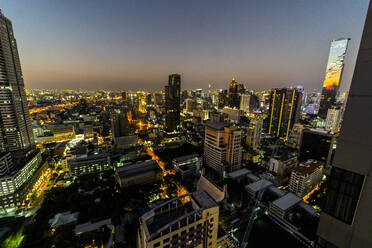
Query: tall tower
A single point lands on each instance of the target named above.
(172, 102)
(15, 123)
(335, 67)
(234, 94)
(346, 218)
(284, 111)
(141, 101)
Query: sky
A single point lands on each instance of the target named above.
(136, 44)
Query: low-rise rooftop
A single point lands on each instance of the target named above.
(287, 201)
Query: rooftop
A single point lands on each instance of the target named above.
(184, 158)
(63, 219)
(256, 186)
(238, 173)
(138, 168)
(216, 125)
(203, 199)
(307, 168)
(287, 201)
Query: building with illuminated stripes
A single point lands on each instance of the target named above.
(284, 111)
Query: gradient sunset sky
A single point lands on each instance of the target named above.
(135, 44)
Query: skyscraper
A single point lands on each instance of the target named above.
(172, 102)
(253, 139)
(335, 67)
(141, 101)
(15, 124)
(234, 101)
(245, 101)
(346, 218)
(18, 160)
(285, 105)
(120, 125)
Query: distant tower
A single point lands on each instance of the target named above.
(172, 102)
(15, 124)
(245, 101)
(284, 111)
(142, 101)
(234, 101)
(335, 67)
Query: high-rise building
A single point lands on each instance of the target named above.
(19, 161)
(245, 101)
(222, 99)
(295, 136)
(333, 121)
(186, 221)
(222, 147)
(254, 132)
(305, 177)
(158, 99)
(172, 102)
(233, 99)
(124, 96)
(346, 218)
(190, 105)
(285, 106)
(15, 124)
(335, 67)
(142, 101)
(120, 125)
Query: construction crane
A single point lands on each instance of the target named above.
(256, 207)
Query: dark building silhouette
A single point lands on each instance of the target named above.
(234, 100)
(172, 102)
(317, 145)
(284, 111)
(120, 125)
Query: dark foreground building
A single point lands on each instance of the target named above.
(346, 220)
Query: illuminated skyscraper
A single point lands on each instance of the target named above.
(245, 101)
(18, 160)
(141, 99)
(172, 102)
(15, 124)
(346, 218)
(285, 105)
(333, 75)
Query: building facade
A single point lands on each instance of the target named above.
(222, 147)
(172, 102)
(186, 221)
(346, 218)
(245, 102)
(253, 139)
(15, 124)
(305, 177)
(333, 121)
(335, 67)
(285, 106)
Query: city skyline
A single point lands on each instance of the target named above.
(139, 43)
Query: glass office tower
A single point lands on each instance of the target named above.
(333, 75)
